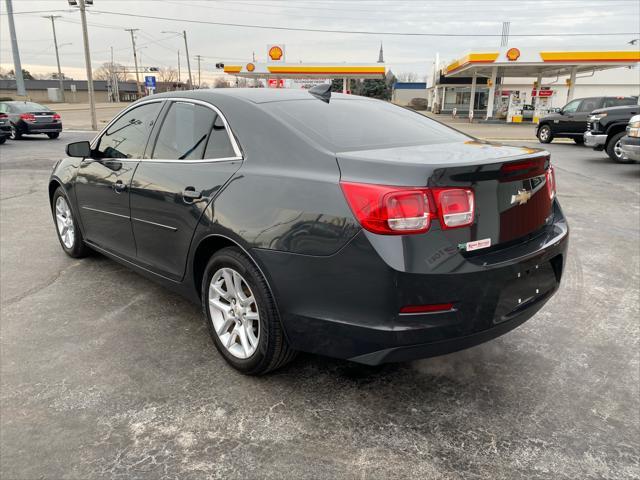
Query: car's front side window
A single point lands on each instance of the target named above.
(185, 132)
(127, 136)
(571, 107)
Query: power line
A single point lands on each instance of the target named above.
(363, 32)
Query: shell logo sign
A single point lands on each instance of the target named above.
(513, 54)
(250, 67)
(276, 53)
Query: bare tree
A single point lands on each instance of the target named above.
(407, 77)
(221, 82)
(168, 75)
(108, 69)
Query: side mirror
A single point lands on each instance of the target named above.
(79, 149)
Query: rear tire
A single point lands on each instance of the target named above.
(69, 233)
(579, 141)
(613, 148)
(54, 135)
(544, 134)
(241, 314)
(15, 133)
(2, 140)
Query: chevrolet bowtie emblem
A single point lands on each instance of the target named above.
(521, 198)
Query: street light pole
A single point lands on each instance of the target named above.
(178, 66)
(55, 44)
(186, 50)
(17, 66)
(135, 58)
(199, 57)
(87, 61)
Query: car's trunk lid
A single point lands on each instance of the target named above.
(512, 199)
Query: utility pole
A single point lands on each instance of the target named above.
(87, 61)
(186, 51)
(17, 66)
(199, 57)
(55, 44)
(135, 58)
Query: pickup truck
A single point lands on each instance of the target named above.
(606, 127)
(630, 144)
(570, 121)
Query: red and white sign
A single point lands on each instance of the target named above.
(276, 83)
(541, 93)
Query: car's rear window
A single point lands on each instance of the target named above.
(342, 125)
(619, 102)
(25, 107)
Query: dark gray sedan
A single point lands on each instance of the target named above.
(28, 118)
(317, 222)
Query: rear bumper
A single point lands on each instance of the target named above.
(346, 305)
(594, 141)
(27, 128)
(631, 147)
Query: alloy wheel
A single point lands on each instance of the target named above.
(234, 313)
(64, 221)
(617, 150)
(544, 134)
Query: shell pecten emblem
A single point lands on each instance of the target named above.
(250, 67)
(513, 54)
(275, 53)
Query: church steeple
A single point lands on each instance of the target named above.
(381, 55)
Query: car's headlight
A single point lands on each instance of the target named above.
(597, 117)
(634, 129)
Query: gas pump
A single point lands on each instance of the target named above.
(514, 109)
(542, 102)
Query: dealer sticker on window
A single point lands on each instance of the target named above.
(475, 245)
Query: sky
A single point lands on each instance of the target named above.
(548, 20)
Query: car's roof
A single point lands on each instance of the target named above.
(254, 95)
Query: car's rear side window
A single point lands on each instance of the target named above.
(26, 107)
(360, 124)
(619, 102)
(192, 132)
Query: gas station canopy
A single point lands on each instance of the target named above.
(306, 70)
(514, 62)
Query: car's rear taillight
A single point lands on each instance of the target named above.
(551, 182)
(56, 116)
(3, 116)
(455, 206)
(390, 210)
(28, 117)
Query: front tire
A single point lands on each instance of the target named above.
(241, 314)
(69, 233)
(2, 140)
(53, 135)
(544, 134)
(613, 148)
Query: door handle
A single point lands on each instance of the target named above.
(119, 187)
(190, 194)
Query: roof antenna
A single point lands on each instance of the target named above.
(322, 92)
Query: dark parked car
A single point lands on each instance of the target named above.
(301, 221)
(5, 128)
(630, 143)
(28, 118)
(571, 120)
(606, 128)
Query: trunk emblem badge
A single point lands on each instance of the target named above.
(521, 198)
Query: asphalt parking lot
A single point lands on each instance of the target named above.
(106, 375)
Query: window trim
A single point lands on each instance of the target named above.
(232, 139)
